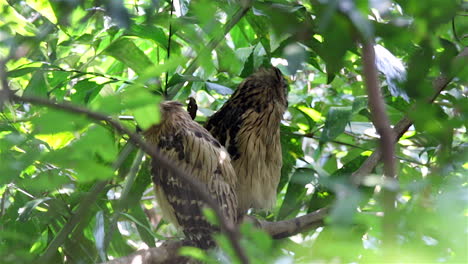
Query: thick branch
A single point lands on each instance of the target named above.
(382, 125)
(377, 107)
(166, 253)
(290, 227)
(439, 84)
(278, 230)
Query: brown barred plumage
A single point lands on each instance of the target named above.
(194, 150)
(248, 125)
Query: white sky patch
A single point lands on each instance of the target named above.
(297, 238)
(123, 229)
(371, 132)
(310, 188)
(278, 61)
(179, 10)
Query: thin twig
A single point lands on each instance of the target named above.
(60, 238)
(169, 41)
(308, 135)
(5, 88)
(82, 209)
(311, 135)
(122, 204)
(97, 74)
(5, 195)
(211, 45)
(454, 30)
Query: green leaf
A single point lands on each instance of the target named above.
(296, 192)
(326, 192)
(291, 149)
(27, 210)
(338, 31)
(260, 24)
(138, 216)
(194, 253)
(147, 116)
(127, 52)
(210, 216)
(337, 119)
(228, 61)
(178, 78)
(132, 98)
(48, 180)
(96, 141)
(37, 85)
(359, 103)
(88, 170)
(86, 91)
(24, 70)
(419, 66)
(152, 32)
(55, 121)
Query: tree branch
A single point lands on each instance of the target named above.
(278, 230)
(439, 84)
(82, 209)
(386, 142)
(229, 229)
(240, 13)
(166, 253)
(290, 227)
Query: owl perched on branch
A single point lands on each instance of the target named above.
(195, 151)
(248, 125)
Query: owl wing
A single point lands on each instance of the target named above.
(198, 154)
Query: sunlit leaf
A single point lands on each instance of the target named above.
(54, 121)
(147, 116)
(37, 85)
(27, 211)
(126, 51)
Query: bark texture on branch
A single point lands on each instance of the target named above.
(290, 227)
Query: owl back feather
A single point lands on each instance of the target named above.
(248, 125)
(201, 156)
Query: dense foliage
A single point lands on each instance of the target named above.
(74, 190)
